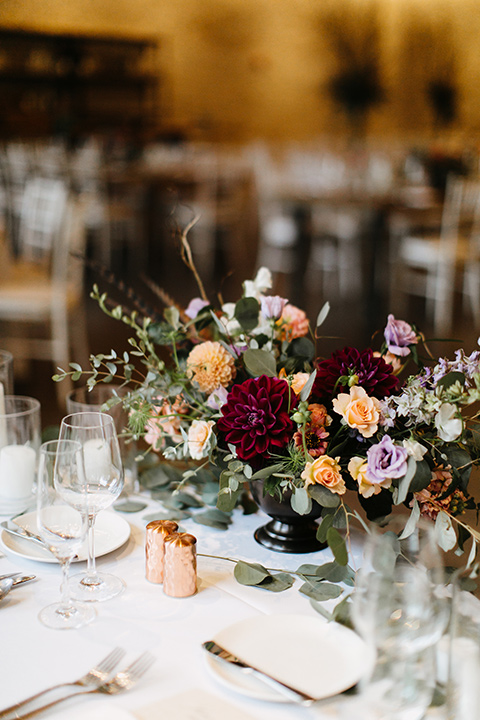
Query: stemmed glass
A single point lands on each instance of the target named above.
(102, 484)
(62, 527)
(400, 608)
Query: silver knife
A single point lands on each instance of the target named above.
(291, 693)
(22, 579)
(14, 529)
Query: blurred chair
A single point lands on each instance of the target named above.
(41, 297)
(431, 265)
(17, 165)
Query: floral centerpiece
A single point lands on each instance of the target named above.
(243, 387)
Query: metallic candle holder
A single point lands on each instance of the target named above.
(157, 532)
(180, 571)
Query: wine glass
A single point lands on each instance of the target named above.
(62, 527)
(102, 483)
(400, 608)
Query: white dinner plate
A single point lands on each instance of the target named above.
(322, 659)
(111, 532)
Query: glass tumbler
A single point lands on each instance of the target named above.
(463, 680)
(20, 439)
(6, 374)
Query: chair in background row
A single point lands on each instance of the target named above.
(434, 266)
(41, 293)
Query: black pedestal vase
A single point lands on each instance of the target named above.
(287, 531)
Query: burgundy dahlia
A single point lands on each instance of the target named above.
(255, 417)
(372, 373)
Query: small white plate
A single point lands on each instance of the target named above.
(322, 659)
(111, 532)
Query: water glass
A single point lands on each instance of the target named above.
(101, 483)
(99, 399)
(400, 609)
(463, 679)
(62, 527)
(6, 374)
(20, 439)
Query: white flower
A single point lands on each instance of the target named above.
(261, 283)
(201, 438)
(414, 449)
(449, 426)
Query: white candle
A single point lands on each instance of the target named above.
(17, 471)
(98, 460)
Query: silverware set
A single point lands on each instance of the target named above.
(97, 680)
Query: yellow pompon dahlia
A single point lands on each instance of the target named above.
(211, 366)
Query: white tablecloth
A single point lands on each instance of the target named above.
(143, 618)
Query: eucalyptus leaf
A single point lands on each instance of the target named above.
(227, 498)
(450, 379)
(324, 527)
(300, 501)
(246, 312)
(267, 471)
(172, 316)
(187, 499)
(302, 348)
(321, 591)
(324, 496)
(336, 543)
(307, 569)
(404, 485)
(342, 612)
(445, 532)
(277, 583)
(333, 572)
(260, 362)
(412, 521)
(422, 477)
(250, 573)
(321, 610)
(129, 506)
(322, 315)
(213, 518)
(307, 388)
(172, 515)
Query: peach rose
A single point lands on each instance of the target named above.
(357, 467)
(201, 438)
(325, 471)
(358, 410)
(299, 380)
(293, 323)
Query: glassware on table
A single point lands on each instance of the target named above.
(62, 527)
(84, 400)
(6, 374)
(400, 609)
(20, 439)
(463, 674)
(102, 483)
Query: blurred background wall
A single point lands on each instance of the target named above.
(234, 70)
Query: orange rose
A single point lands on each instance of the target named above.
(357, 467)
(324, 471)
(358, 410)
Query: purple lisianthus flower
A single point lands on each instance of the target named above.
(386, 460)
(272, 306)
(398, 336)
(194, 307)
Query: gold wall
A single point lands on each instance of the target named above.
(241, 69)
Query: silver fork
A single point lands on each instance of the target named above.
(94, 677)
(123, 680)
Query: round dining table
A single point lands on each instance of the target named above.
(183, 682)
